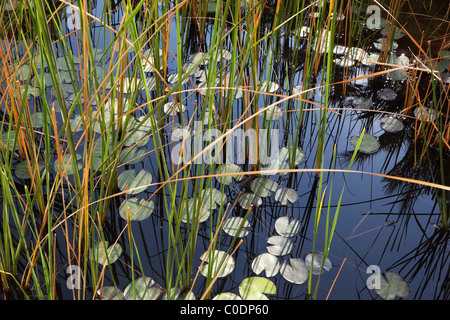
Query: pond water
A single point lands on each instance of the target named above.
(384, 223)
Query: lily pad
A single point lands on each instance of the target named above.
(67, 164)
(316, 259)
(370, 59)
(362, 103)
(344, 62)
(138, 209)
(188, 212)
(110, 293)
(391, 124)
(266, 262)
(105, 257)
(211, 198)
(235, 226)
(296, 272)
(22, 170)
(387, 94)
(134, 183)
(268, 86)
(280, 246)
(369, 144)
(286, 228)
(196, 57)
(382, 42)
(132, 156)
(218, 262)
(262, 186)
(256, 288)
(425, 114)
(285, 195)
(227, 296)
(228, 168)
(392, 286)
(142, 289)
(273, 114)
(172, 107)
(396, 33)
(247, 199)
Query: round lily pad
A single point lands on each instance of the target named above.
(247, 199)
(387, 94)
(105, 257)
(296, 272)
(424, 114)
(138, 209)
(235, 226)
(262, 186)
(22, 170)
(228, 168)
(218, 262)
(268, 86)
(316, 259)
(280, 246)
(273, 114)
(369, 144)
(362, 103)
(188, 212)
(134, 183)
(285, 195)
(391, 124)
(256, 288)
(227, 296)
(382, 42)
(286, 228)
(266, 262)
(142, 289)
(392, 286)
(110, 293)
(67, 164)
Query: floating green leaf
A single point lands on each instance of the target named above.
(387, 94)
(227, 296)
(392, 286)
(262, 186)
(256, 288)
(228, 168)
(218, 262)
(247, 199)
(138, 209)
(272, 114)
(362, 103)
(296, 272)
(235, 226)
(67, 164)
(110, 293)
(134, 183)
(142, 289)
(317, 259)
(188, 212)
(22, 170)
(266, 262)
(172, 107)
(391, 124)
(287, 228)
(268, 86)
(211, 198)
(105, 257)
(280, 246)
(285, 195)
(369, 144)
